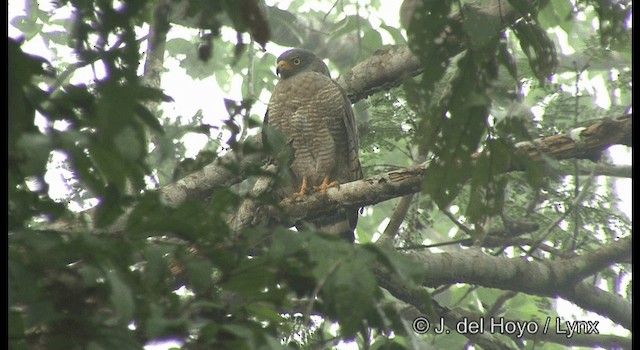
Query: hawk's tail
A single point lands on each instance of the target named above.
(342, 224)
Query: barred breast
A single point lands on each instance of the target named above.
(309, 110)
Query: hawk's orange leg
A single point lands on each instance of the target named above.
(303, 188)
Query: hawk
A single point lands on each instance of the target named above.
(315, 117)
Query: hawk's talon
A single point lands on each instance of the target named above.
(325, 185)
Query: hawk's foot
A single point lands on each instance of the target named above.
(325, 185)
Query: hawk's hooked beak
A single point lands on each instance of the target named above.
(282, 66)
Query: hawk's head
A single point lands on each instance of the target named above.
(294, 61)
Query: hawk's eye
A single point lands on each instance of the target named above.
(296, 61)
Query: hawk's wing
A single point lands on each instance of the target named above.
(352, 137)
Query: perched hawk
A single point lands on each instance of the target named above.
(314, 114)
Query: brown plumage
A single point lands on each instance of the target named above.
(315, 116)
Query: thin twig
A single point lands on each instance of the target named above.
(328, 12)
(462, 227)
(316, 290)
(574, 204)
(435, 245)
(398, 216)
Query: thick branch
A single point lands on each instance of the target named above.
(600, 169)
(154, 62)
(369, 191)
(591, 298)
(376, 189)
(580, 267)
(538, 278)
(583, 142)
(418, 297)
(387, 68)
(251, 208)
(225, 171)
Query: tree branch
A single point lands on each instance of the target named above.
(549, 279)
(580, 267)
(584, 142)
(230, 169)
(594, 299)
(251, 208)
(225, 171)
(379, 188)
(154, 62)
(387, 68)
(417, 297)
(599, 169)
(396, 220)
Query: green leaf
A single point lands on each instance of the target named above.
(149, 119)
(29, 26)
(424, 28)
(241, 331)
(156, 269)
(251, 278)
(56, 36)
(159, 325)
(16, 331)
(557, 13)
(200, 273)
(346, 26)
(111, 165)
(286, 243)
(130, 143)
(35, 149)
(487, 185)
(179, 46)
(371, 40)
(481, 28)
(349, 288)
(21, 111)
(399, 264)
(538, 47)
(22, 280)
(116, 105)
(110, 207)
(396, 33)
(190, 220)
(460, 131)
(285, 31)
(350, 292)
(85, 170)
(121, 296)
(264, 311)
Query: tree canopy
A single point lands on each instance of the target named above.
(491, 199)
